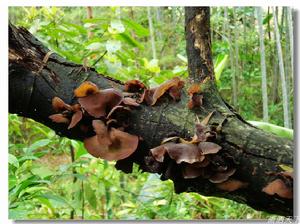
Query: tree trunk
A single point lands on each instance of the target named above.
(291, 45)
(151, 33)
(282, 75)
(274, 88)
(231, 59)
(159, 19)
(291, 37)
(264, 89)
(89, 16)
(287, 62)
(236, 57)
(255, 154)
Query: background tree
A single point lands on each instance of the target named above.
(263, 66)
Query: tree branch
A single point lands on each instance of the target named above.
(254, 153)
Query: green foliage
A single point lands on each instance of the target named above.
(43, 181)
(49, 186)
(277, 130)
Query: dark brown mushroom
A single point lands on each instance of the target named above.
(188, 153)
(134, 86)
(160, 90)
(180, 152)
(59, 105)
(99, 104)
(59, 118)
(222, 176)
(231, 185)
(201, 164)
(159, 152)
(196, 97)
(76, 107)
(196, 100)
(189, 171)
(77, 116)
(85, 89)
(209, 147)
(278, 187)
(102, 132)
(175, 91)
(110, 145)
(130, 102)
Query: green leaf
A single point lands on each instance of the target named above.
(129, 40)
(42, 171)
(39, 144)
(94, 46)
(90, 195)
(138, 28)
(113, 45)
(13, 160)
(286, 168)
(267, 18)
(32, 190)
(56, 198)
(80, 29)
(220, 65)
(152, 65)
(18, 214)
(116, 26)
(277, 130)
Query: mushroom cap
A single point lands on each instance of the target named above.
(100, 103)
(59, 118)
(188, 153)
(180, 152)
(134, 86)
(278, 187)
(59, 105)
(130, 102)
(110, 145)
(222, 176)
(209, 147)
(189, 171)
(231, 185)
(86, 88)
(160, 90)
(77, 116)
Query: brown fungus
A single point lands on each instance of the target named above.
(77, 116)
(59, 105)
(209, 147)
(222, 176)
(134, 86)
(195, 96)
(130, 102)
(175, 91)
(160, 90)
(189, 171)
(99, 104)
(278, 187)
(110, 145)
(76, 107)
(85, 89)
(231, 185)
(159, 152)
(59, 118)
(180, 152)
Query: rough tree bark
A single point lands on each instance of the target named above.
(256, 154)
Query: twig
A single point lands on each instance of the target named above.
(105, 52)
